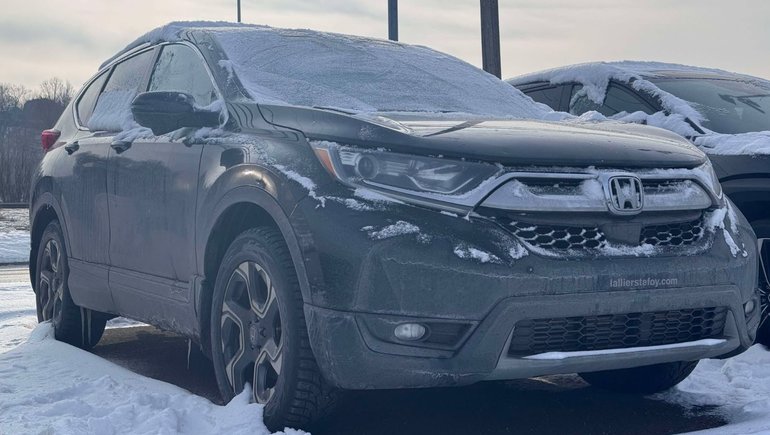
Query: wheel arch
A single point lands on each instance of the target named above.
(44, 209)
(242, 208)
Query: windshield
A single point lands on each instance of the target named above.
(307, 68)
(729, 106)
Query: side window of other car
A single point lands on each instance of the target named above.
(87, 101)
(550, 96)
(113, 109)
(618, 99)
(180, 69)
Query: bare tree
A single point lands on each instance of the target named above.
(56, 90)
(12, 96)
(23, 115)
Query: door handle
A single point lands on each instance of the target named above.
(120, 145)
(72, 147)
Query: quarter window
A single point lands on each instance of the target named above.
(180, 69)
(113, 109)
(87, 101)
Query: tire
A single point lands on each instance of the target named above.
(641, 380)
(259, 335)
(762, 229)
(72, 324)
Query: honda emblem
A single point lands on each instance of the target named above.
(626, 195)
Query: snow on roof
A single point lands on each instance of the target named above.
(172, 32)
(358, 74)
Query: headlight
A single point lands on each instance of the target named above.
(707, 175)
(403, 173)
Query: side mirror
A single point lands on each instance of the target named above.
(163, 112)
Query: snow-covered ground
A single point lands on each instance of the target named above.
(50, 387)
(14, 236)
(739, 386)
(14, 247)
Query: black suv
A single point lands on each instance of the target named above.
(324, 212)
(726, 114)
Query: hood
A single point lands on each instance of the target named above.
(508, 142)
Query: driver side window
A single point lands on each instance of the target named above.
(180, 69)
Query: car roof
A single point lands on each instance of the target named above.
(647, 70)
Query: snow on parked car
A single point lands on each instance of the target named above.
(251, 240)
(726, 114)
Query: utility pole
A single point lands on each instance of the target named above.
(490, 37)
(239, 11)
(393, 20)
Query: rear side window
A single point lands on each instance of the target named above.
(548, 96)
(618, 99)
(87, 101)
(113, 109)
(180, 69)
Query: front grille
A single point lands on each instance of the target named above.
(571, 238)
(616, 331)
(559, 237)
(682, 234)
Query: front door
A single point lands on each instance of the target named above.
(152, 188)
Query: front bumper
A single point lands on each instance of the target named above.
(362, 287)
(352, 356)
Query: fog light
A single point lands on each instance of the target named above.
(410, 331)
(749, 306)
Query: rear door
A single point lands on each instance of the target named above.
(152, 189)
(82, 190)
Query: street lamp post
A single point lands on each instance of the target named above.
(239, 11)
(393, 20)
(490, 37)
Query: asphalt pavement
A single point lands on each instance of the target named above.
(547, 405)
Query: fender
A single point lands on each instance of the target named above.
(41, 200)
(262, 199)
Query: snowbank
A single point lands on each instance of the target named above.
(50, 387)
(14, 247)
(17, 314)
(739, 386)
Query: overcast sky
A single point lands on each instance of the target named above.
(69, 39)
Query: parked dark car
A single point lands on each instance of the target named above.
(322, 212)
(726, 114)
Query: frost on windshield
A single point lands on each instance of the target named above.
(317, 69)
(357, 74)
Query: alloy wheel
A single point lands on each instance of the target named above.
(251, 331)
(51, 282)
